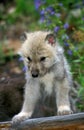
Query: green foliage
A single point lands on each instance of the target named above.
(24, 7)
(2, 55)
(22, 10)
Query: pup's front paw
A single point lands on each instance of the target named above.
(20, 117)
(64, 110)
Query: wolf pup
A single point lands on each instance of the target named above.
(45, 64)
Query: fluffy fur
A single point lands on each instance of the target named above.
(46, 67)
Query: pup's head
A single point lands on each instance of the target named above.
(38, 51)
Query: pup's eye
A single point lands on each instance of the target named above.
(42, 58)
(29, 59)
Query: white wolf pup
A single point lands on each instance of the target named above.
(46, 64)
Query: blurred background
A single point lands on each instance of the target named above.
(64, 18)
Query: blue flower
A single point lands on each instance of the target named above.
(37, 4)
(20, 59)
(42, 12)
(50, 10)
(66, 26)
(60, 4)
(67, 37)
(83, 18)
(69, 52)
(25, 69)
(66, 44)
(42, 19)
(58, 15)
(56, 29)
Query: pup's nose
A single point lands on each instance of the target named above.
(35, 73)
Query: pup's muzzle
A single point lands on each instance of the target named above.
(35, 73)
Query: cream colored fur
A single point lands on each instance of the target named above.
(53, 72)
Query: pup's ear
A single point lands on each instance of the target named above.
(51, 38)
(23, 37)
